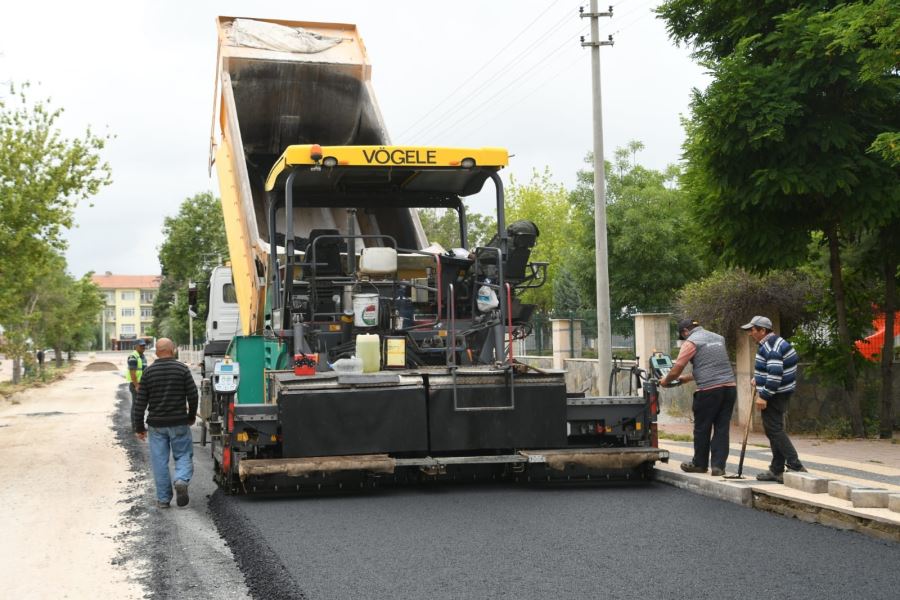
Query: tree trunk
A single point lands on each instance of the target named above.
(846, 344)
(57, 351)
(886, 429)
(17, 370)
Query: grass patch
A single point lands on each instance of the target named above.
(676, 437)
(48, 375)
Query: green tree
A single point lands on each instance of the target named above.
(66, 311)
(790, 137)
(650, 235)
(194, 243)
(544, 202)
(441, 225)
(726, 298)
(43, 177)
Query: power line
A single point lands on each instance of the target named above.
(480, 106)
(535, 89)
(440, 126)
(483, 67)
(493, 78)
(498, 76)
(466, 103)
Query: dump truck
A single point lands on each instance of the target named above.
(366, 356)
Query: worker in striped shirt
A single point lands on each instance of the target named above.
(774, 378)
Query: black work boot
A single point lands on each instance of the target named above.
(181, 493)
(770, 476)
(690, 467)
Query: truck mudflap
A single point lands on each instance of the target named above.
(598, 460)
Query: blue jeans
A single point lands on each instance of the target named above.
(178, 439)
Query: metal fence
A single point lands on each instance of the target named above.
(540, 341)
(190, 355)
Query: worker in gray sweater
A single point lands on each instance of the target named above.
(715, 396)
(168, 393)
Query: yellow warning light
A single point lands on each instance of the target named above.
(274, 438)
(242, 436)
(637, 425)
(442, 333)
(334, 327)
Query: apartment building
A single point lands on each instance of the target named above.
(129, 309)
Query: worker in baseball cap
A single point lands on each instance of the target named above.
(774, 378)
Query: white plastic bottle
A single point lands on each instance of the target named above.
(368, 348)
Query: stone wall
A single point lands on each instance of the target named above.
(815, 403)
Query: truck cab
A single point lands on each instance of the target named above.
(223, 320)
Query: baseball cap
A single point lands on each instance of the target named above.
(686, 324)
(758, 321)
(140, 342)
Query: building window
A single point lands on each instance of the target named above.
(110, 297)
(128, 312)
(127, 295)
(128, 329)
(110, 314)
(146, 313)
(147, 297)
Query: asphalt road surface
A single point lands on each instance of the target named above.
(498, 541)
(502, 541)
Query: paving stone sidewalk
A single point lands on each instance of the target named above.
(837, 467)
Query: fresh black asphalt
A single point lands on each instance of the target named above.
(493, 541)
(503, 541)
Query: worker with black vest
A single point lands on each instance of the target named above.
(715, 396)
(136, 365)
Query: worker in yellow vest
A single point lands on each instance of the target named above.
(136, 365)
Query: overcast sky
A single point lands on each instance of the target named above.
(507, 73)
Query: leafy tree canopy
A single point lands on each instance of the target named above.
(781, 142)
(43, 177)
(728, 298)
(442, 226)
(194, 243)
(652, 238)
(544, 202)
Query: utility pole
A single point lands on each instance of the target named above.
(604, 341)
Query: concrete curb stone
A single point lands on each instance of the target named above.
(806, 483)
(842, 489)
(894, 502)
(869, 498)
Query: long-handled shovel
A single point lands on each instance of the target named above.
(740, 470)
